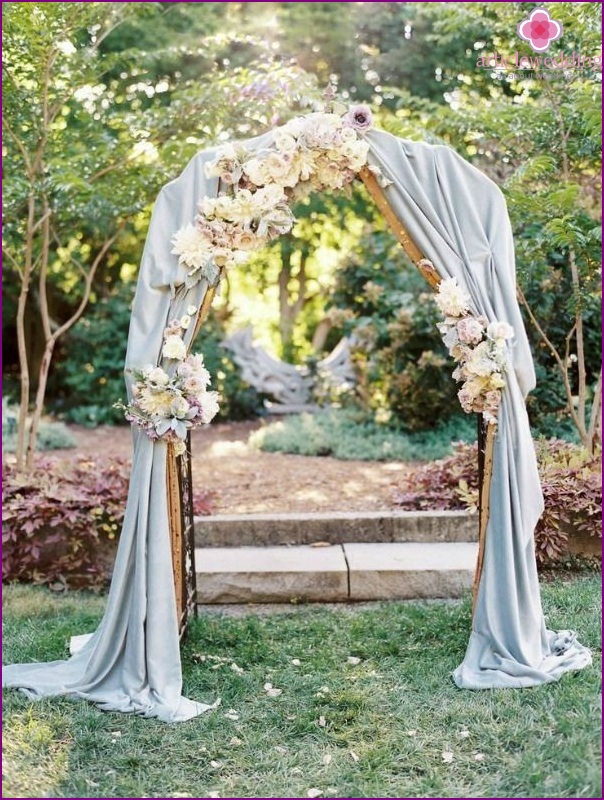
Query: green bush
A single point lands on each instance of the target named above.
(402, 366)
(89, 372)
(349, 435)
(51, 435)
(88, 378)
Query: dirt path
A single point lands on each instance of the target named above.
(245, 480)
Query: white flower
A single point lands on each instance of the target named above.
(179, 407)
(500, 331)
(269, 197)
(191, 310)
(190, 245)
(256, 171)
(284, 141)
(174, 347)
(451, 299)
(209, 406)
(158, 377)
(294, 127)
(153, 402)
(185, 321)
(245, 239)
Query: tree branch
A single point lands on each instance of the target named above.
(20, 145)
(561, 366)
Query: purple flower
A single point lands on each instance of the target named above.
(359, 117)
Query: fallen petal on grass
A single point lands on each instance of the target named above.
(296, 662)
(353, 660)
(322, 722)
(353, 755)
(447, 756)
(464, 734)
(314, 793)
(327, 758)
(479, 756)
(236, 668)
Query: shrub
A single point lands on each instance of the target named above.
(62, 520)
(401, 364)
(51, 435)
(350, 435)
(59, 520)
(447, 484)
(572, 489)
(88, 376)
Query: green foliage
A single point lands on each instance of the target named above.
(348, 435)
(397, 710)
(89, 376)
(402, 366)
(51, 435)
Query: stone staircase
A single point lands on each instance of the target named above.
(336, 557)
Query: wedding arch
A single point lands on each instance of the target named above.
(452, 222)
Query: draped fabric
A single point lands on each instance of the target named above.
(458, 218)
(132, 662)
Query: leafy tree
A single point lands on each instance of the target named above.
(538, 135)
(90, 137)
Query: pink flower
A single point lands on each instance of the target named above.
(469, 330)
(359, 117)
(539, 30)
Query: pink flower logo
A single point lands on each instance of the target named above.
(539, 30)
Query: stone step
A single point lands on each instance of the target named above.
(226, 530)
(335, 573)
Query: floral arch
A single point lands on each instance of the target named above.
(452, 221)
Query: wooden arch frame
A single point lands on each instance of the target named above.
(180, 505)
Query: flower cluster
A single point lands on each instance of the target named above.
(312, 153)
(167, 405)
(478, 346)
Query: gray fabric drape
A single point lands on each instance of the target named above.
(132, 662)
(458, 218)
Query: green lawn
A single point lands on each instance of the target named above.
(393, 725)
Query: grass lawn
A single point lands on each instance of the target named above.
(392, 725)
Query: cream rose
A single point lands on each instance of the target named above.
(174, 347)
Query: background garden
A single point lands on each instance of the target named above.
(106, 102)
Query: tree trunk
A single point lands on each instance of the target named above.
(39, 406)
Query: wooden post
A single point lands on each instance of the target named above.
(175, 508)
(176, 533)
(487, 432)
(486, 444)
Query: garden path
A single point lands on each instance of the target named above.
(244, 480)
